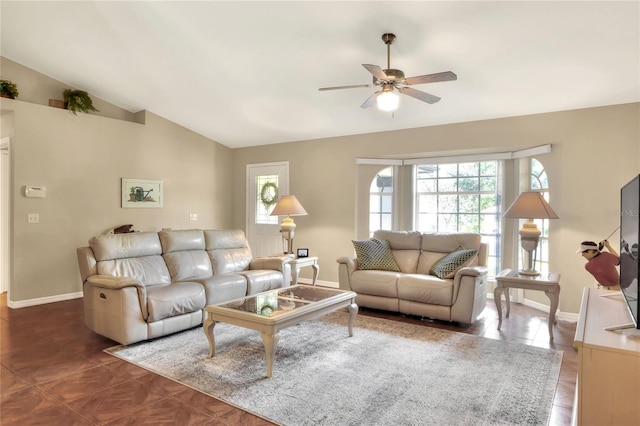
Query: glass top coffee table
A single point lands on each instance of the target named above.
(271, 311)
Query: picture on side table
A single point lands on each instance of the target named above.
(142, 193)
(303, 252)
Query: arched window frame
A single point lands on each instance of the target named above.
(381, 201)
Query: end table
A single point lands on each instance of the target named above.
(302, 262)
(547, 282)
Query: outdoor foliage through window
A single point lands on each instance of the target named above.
(460, 197)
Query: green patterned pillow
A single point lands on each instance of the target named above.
(447, 267)
(375, 254)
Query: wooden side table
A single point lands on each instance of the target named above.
(547, 282)
(302, 262)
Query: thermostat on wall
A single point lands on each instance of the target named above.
(35, 191)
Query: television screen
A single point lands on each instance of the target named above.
(629, 236)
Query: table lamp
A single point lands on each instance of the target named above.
(530, 205)
(290, 206)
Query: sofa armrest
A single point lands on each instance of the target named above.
(347, 265)
(469, 293)
(109, 281)
(115, 283)
(276, 263)
(472, 271)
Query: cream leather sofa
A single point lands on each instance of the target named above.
(413, 290)
(143, 285)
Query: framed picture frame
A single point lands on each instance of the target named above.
(142, 193)
(303, 252)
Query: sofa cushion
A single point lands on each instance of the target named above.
(188, 265)
(174, 299)
(220, 288)
(148, 270)
(448, 265)
(259, 280)
(118, 246)
(181, 240)
(425, 289)
(375, 283)
(375, 254)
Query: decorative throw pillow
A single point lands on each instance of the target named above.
(375, 254)
(447, 267)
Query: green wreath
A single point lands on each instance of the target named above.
(269, 194)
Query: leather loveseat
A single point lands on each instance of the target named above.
(409, 286)
(143, 285)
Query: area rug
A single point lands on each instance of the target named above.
(388, 373)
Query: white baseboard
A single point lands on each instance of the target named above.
(43, 300)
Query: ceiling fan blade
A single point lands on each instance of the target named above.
(376, 71)
(431, 78)
(371, 100)
(425, 97)
(346, 87)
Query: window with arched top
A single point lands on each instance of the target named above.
(539, 182)
(381, 201)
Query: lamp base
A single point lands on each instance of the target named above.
(529, 272)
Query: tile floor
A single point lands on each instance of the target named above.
(54, 372)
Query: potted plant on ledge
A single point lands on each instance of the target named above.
(78, 101)
(8, 89)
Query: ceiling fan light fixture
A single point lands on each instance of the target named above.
(388, 101)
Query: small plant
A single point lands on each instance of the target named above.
(78, 101)
(8, 89)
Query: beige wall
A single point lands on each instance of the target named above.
(595, 151)
(81, 159)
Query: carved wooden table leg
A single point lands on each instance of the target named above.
(270, 342)
(208, 331)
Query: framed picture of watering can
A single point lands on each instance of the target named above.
(142, 193)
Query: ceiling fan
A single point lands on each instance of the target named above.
(390, 80)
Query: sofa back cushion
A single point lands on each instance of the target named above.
(185, 255)
(228, 250)
(405, 247)
(135, 255)
(437, 245)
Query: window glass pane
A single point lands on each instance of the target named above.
(468, 223)
(386, 204)
(468, 184)
(488, 168)
(468, 203)
(447, 222)
(469, 169)
(426, 185)
(447, 170)
(266, 198)
(488, 183)
(427, 203)
(374, 203)
(385, 221)
(447, 203)
(447, 185)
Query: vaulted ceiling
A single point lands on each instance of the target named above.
(247, 73)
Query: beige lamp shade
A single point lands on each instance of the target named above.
(288, 205)
(530, 205)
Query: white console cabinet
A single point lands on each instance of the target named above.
(608, 384)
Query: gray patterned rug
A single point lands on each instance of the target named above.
(388, 373)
